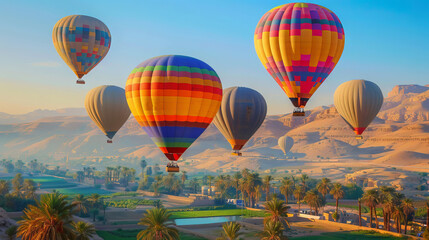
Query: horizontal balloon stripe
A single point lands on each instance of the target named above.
(174, 74)
(174, 144)
(175, 139)
(172, 68)
(181, 118)
(161, 123)
(173, 96)
(176, 150)
(171, 132)
(173, 86)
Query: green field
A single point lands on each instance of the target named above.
(48, 182)
(131, 235)
(82, 190)
(354, 235)
(215, 213)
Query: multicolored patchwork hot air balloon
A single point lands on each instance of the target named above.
(299, 44)
(82, 43)
(242, 112)
(285, 144)
(108, 108)
(358, 102)
(174, 98)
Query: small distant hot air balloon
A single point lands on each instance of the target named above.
(285, 144)
(82, 43)
(358, 102)
(174, 98)
(242, 112)
(108, 108)
(299, 44)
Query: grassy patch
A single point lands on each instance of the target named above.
(216, 213)
(129, 203)
(82, 190)
(354, 235)
(132, 234)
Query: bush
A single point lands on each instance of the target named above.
(352, 191)
(335, 216)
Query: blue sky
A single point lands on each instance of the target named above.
(386, 42)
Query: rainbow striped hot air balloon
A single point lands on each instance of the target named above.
(174, 98)
(82, 42)
(299, 44)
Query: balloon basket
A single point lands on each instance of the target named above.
(172, 167)
(359, 137)
(109, 141)
(298, 112)
(80, 81)
(236, 153)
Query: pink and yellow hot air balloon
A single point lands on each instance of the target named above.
(174, 98)
(82, 42)
(299, 44)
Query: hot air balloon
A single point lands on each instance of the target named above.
(174, 98)
(82, 43)
(108, 108)
(285, 144)
(299, 44)
(242, 112)
(358, 102)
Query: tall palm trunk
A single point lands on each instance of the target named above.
(405, 224)
(398, 230)
(336, 205)
(370, 219)
(427, 217)
(376, 217)
(360, 214)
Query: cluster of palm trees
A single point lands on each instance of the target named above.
(19, 187)
(119, 174)
(51, 218)
(394, 205)
(91, 204)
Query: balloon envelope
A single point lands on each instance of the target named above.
(174, 98)
(108, 108)
(242, 112)
(81, 41)
(299, 44)
(358, 102)
(285, 144)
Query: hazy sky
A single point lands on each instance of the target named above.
(386, 42)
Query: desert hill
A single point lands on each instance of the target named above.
(398, 137)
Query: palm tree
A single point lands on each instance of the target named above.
(143, 165)
(17, 182)
(231, 231)
(29, 189)
(370, 198)
(324, 186)
(221, 185)
(156, 184)
(4, 187)
(314, 200)
(183, 177)
(266, 183)
(210, 179)
(408, 208)
(399, 216)
(297, 193)
(155, 220)
(286, 188)
(11, 232)
(49, 219)
(273, 231)
(337, 192)
(427, 213)
(276, 211)
(79, 203)
(83, 230)
(94, 199)
(194, 185)
(304, 179)
(235, 182)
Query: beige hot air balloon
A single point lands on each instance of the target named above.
(358, 102)
(285, 144)
(107, 107)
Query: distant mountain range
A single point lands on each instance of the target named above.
(398, 136)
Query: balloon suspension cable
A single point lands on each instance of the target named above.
(80, 81)
(298, 112)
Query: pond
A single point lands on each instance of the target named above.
(206, 220)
